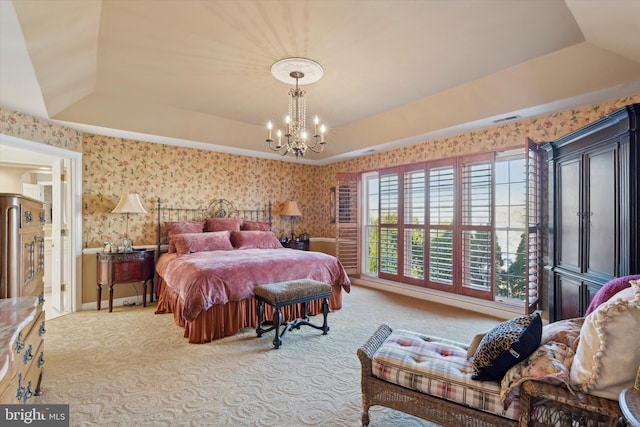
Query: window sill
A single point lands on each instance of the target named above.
(492, 308)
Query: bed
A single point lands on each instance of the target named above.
(211, 259)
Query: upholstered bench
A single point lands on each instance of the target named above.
(431, 378)
(283, 294)
(428, 377)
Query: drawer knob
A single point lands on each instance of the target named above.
(40, 361)
(27, 394)
(42, 330)
(28, 355)
(19, 343)
(23, 393)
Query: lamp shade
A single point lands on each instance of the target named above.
(129, 203)
(290, 208)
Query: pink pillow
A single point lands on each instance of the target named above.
(180, 227)
(255, 239)
(222, 224)
(257, 226)
(202, 242)
(608, 290)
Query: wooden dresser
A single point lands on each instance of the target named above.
(22, 246)
(21, 349)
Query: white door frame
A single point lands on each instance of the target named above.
(74, 259)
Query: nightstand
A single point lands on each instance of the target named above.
(124, 267)
(302, 245)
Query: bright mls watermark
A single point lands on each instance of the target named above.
(34, 415)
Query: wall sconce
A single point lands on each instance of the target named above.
(129, 203)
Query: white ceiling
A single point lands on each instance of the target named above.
(396, 72)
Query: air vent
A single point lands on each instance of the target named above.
(506, 119)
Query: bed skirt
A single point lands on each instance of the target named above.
(224, 320)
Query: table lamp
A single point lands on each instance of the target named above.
(291, 210)
(129, 203)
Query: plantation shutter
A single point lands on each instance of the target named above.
(389, 247)
(347, 229)
(415, 213)
(442, 206)
(534, 168)
(477, 228)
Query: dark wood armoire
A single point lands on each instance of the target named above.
(594, 179)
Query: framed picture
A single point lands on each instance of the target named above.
(332, 204)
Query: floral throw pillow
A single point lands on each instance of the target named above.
(551, 362)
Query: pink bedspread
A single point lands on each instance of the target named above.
(203, 279)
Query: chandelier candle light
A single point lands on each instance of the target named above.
(296, 137)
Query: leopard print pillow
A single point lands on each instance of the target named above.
(506, 345)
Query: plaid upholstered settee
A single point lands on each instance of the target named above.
(571, 378)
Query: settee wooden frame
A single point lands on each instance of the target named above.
(541, 404)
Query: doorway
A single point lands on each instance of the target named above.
(53, 175)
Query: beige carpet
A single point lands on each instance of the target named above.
(132, 367)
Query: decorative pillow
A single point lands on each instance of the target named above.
(549, 363)
(609, 289)
(254, 225)
(565, 331)
(180, 227)
(505, 345)
(255, 239)
(608, 354)
(202, 242)
(475, 342)
(222, 224)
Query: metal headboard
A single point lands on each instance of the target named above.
(218, 208)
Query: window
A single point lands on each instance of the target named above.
(388, 227)
(510, 213)
(467, 225)
(370, 222)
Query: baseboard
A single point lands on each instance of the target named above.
(117, 302)
(501, 311)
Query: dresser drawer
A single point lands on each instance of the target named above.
(26, 381)
(31, 341)
(22, 378)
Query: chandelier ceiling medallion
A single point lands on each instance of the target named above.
(296, 138)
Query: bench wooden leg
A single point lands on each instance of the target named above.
(325, 313)
(277, 340)
(259, 330)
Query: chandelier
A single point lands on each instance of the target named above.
(295, 138)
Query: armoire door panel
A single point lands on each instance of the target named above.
(569, 215)
(569, 298)
(600, 215)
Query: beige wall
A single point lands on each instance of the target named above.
(328, 246)
(11, 180)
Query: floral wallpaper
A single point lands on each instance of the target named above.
(34, 129)
(184, 177)
(189, 177)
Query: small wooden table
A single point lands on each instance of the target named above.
(124, 267)
(629, 401)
